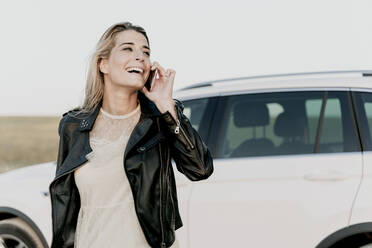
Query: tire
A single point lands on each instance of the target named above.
(16, 233)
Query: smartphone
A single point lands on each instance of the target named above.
(150, 79)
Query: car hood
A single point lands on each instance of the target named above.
(38, 172)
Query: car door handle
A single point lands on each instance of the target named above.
(330, 175)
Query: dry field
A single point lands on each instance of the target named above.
(27, 140)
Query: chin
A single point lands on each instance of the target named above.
(135, 85)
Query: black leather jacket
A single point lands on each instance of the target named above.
(154, 141)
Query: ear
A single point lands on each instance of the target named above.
(103, 65)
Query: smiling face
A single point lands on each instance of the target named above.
(129, 61)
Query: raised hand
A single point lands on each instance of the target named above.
(161, 88)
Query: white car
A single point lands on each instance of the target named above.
(292, 167)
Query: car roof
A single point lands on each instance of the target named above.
(361, 79)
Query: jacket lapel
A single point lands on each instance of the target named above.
(81, 147)
(149, 112)
(76, 155)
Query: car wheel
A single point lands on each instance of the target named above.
(16, 233)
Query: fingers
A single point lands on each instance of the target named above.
(169, 73)
(172, 74)
(161, 70)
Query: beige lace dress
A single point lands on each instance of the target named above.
(107, 216)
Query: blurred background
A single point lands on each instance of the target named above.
(45, 49)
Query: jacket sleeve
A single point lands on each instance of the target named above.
(188, 150)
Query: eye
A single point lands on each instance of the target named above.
(127, 48)
(147, 53)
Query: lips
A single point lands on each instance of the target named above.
(133, 69)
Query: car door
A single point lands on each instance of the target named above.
(199, 111)
(363, 103)
(287, 168)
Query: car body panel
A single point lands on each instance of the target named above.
(279, 201)
(30, 186)
(263, 202)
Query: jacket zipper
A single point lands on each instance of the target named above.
(177, 130)
(170, 194)
(179, 127)
(161, 192)
(171, 198)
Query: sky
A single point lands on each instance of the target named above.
(46, 44)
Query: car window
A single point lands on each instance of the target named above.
(364, 113)
(194, 110)
(283, 123)
(200, 113)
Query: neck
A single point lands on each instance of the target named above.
(119, 100)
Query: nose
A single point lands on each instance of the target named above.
(139, 56)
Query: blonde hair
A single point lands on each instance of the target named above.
(95, 82)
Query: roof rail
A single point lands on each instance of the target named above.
(364, 73)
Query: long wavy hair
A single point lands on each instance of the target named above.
(95, 83)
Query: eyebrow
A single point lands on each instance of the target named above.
(131, 43)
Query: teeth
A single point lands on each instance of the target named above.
(135, 69)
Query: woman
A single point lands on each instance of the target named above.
(114, 184)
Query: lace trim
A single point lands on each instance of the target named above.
(124, 116)
(107, 129)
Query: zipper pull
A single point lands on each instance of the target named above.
(163, 245)
(177, 129)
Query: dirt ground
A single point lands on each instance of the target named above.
(27, 140)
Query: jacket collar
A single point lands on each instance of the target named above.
(148, 110)
(81, 147)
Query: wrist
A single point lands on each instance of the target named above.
(164, 106)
